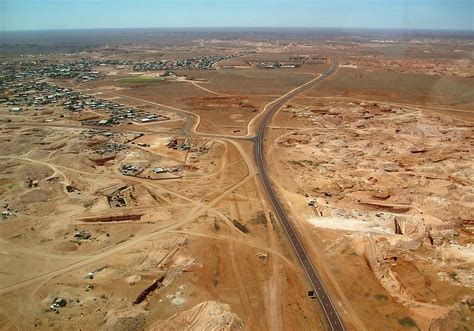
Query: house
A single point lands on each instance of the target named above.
(159, 170)
(16, 110)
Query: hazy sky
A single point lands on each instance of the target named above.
(67, 14)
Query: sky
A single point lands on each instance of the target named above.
(83, 14)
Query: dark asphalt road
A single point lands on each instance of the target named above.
(329, 310)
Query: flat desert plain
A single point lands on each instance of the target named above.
(132, 196)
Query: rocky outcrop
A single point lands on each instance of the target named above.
(128, 319)
(403, 281)
(209, 315)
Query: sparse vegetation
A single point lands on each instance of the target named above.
(141, 80)
(215, 226)
(301, 163)
(381, 297)
(215, 276)
(407, 322)
(295, 162)
(347, 169)
(5, 78)
(453, 275)
(276, 227)
(240, 226)
(259, 218)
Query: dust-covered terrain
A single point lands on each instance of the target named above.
(132, 195)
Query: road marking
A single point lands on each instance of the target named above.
(324, 299)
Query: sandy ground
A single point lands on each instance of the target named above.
(380, 192)
(383, 207)
(208, 232)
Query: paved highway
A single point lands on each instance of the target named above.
(329, 310)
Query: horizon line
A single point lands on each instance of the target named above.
(238, 27)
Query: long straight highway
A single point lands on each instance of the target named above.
(330, 311)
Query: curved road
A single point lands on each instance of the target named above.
(329, 310)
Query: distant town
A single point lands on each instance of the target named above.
(23, 85)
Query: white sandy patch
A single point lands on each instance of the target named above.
(465, 253)
(155, 141)
(348, 225)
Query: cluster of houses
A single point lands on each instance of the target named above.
(163, 170)
(179, 143)
(110, 147)
(82, 69)
(118, 113)
(130, 169)
(37, 94)
(21, 93)
(8, 211)
(276, 65)
(195, 63)
(22, 86)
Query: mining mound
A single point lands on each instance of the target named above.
(128, 319)
(208, 315)
(102, 161)
(38, 195)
